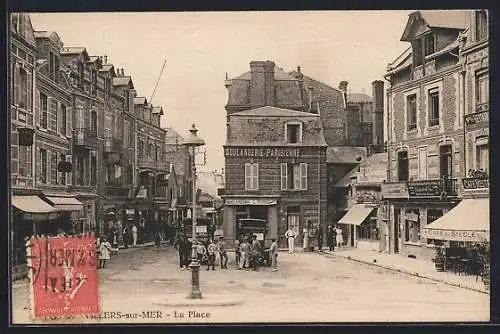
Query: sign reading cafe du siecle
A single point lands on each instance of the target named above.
(266, 152)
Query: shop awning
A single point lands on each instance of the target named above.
(32, 204)
(468, 221)
(65, 203)
(356, 214)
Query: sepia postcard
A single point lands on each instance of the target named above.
(249, 167)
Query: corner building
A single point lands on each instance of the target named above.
(275, 160)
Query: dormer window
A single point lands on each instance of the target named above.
(430, 44)
(417, 52)
(481, 25)
(293, 133)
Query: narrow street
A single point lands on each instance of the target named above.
(307, 288)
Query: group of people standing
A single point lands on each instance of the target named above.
(334, 238)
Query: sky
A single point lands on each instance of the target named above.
(201, 47)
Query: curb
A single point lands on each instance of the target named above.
(181, 300)
(408, 273)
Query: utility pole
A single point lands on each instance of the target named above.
(157, 81)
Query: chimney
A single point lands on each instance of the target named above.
(261, 83)
(378, 114)
(343, 86)
(300, 78)
(105, 59)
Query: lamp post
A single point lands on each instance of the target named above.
(192, 141)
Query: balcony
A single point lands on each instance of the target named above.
(433, 188)
(112, 145)
(85, 138)
(146, 163)
(480, 117)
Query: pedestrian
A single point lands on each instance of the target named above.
(305, 233)
(182, 245)
(330, 238)
(320, 239)
(290, 235)
(255, 253)
(211, 249)
(134, 235)
(237, 244)
(274, 255)
(201, 251)
(104, 252)
(244, 249)
(338, 236)
(221, 248)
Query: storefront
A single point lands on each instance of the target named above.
(360, 225)
(70, 212)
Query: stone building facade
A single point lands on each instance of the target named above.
(426, 129)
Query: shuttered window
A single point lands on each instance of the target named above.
(303, 176)
(53, 114)
(284, 176)
(53, 168)
(14, 152)
(44, 109)
(69, 121)
(68, 175)
(251, 176)
(293, 176)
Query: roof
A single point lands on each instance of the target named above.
(279, 75)
(93, 58)
(122, 81)
(345, 154)
(446, 49)
(140, 100)
(106, 67)
(403, 61)
(358, 98)
(452, 19)
(158, 110)
(270, 111)
(172, 135)
(346, 180)
(73, 50)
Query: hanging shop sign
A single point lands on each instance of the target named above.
(261, 152)
(395, 190)
(250, 201)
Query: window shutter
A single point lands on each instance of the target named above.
(255, 176)
(14, 152)
(248, 176)
(49, 167)
(29, 88)
(39, 162)
(17, 83)
(303, 176)
(37, 114)
(296, 177)
(69, 122)
(284, 176)
(53, 168)
(50, 114)
(68, 175)
(59, 119)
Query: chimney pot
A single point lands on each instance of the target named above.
(298, 69)
(343, 86)
(105, 59)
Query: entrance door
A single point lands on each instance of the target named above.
(397, 218)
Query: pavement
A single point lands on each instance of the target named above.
(410, 266)
(308, 287)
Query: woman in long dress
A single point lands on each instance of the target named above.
(338, 238)
(104, 252)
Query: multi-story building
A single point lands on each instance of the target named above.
(275, 155)
(426, 129)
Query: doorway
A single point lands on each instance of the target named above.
(397, 219)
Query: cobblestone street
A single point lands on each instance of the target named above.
(308, 287)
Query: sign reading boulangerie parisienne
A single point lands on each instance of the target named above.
(63, 276)
(267, 152)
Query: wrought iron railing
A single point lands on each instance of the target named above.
(85, 137)
(433, 188)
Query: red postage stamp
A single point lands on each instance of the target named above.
(63, 276)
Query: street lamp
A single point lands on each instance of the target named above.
(192, 141)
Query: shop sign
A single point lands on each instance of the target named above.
(285, 152)
(425, 188)
(395, 190)
(411, 216)
(455, 235)
(248, 201)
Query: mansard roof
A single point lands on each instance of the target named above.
(422, 21)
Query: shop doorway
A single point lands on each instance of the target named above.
(396, 229)
(293, 223)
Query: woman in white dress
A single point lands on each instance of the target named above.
(104, 252)
(338, 238)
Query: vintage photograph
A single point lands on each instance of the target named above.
(249, 167)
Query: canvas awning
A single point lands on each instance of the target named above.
(65, 203)
(468, 221)
(356, 214)
(32, 204)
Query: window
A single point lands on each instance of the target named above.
(251, 176)
(482, 154)
(25, 160)
(23, 88)
(482, 89)
(293, 133)
(157, 151)
(81, 72)
(294, 176)
(417, 52)
(446, 161)
(93, 120)
(62, 176)
(44, 105)
(412, 225)
(93, 171)
(126, 133)
(63, 120)
(43, 165)
(53, 168)
(107, 127)
(81, 118)
(481, 24)
(422, 163)
(403, 172)
(411, 112)
(433, 107)
(53, 66)
(54, 111)
(430, 44)
(80, 173)
(368, 230)
(141, 147)
(432, 215)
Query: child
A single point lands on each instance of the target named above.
(201, 251)
(104, 252)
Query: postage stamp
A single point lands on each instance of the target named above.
(63, 275)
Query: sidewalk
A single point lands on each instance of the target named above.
(414, 267)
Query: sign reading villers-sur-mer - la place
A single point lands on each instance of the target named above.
(63, 275)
